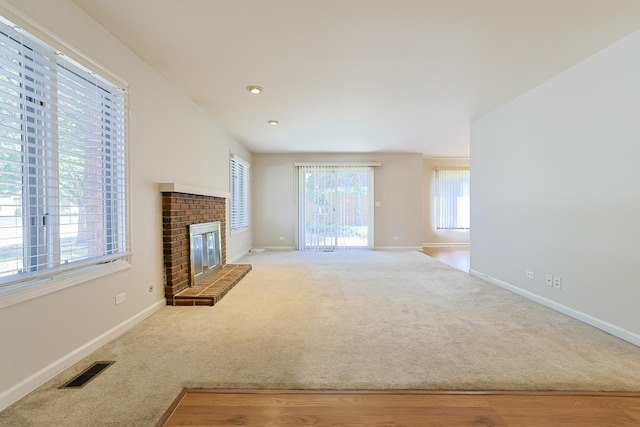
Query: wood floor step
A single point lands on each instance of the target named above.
(409, 408)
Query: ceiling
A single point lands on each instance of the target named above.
(360, 75)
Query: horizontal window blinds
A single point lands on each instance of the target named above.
(62, 170)
(239, 194)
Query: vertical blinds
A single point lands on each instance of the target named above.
(335, 206)
(239, 194)
(62, 161)
(452, 197)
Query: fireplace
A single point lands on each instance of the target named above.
(183, 207)
(204, 255)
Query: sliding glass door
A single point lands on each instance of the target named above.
(335, 207)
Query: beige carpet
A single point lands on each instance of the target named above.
(338, 320)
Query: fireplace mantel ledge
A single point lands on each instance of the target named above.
(174, 187)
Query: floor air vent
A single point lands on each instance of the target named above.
(87, 375)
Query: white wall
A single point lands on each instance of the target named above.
(431, 236)
(556, 189)
(397, 187)
(171, 140)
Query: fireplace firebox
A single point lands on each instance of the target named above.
(205, 254)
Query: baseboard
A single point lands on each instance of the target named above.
(237, 257)
(377, 248)
(278, 248)
(34, 381)
(445, 245)
(578, 315)
(398, 248)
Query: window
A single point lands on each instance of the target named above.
(239, 194)
(335, 205)
(452, 199)
(62, 162)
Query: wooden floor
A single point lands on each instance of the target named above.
(401, 408)
(455, 257)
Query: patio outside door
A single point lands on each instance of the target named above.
(335, 207)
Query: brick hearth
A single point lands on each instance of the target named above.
(179, 210)
(211, 289)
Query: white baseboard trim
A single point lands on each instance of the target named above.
(376, 248)
(34, 381)
(578, 315)
(445, 245)
(279, 248)
(237, 257)
(398, 248)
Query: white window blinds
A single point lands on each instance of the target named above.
(335, 205)
(239, 194)
(62, 162)
(452, 197)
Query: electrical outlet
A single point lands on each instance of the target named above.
(120, 298)
(396, 237)
(151, 288)
(557, 282)
(530, 275)
(549, 280)
(281, 238)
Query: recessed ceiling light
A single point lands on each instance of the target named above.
(254, 89)
(273, 122)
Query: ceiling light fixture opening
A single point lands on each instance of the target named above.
(254, 89)
(273, 122)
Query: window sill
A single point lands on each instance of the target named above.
(25, 291)
(239, 230)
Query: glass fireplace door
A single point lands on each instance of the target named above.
(205, 250)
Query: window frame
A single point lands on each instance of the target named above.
(240, 169)
(25, 287)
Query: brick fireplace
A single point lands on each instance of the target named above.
(181, 207)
